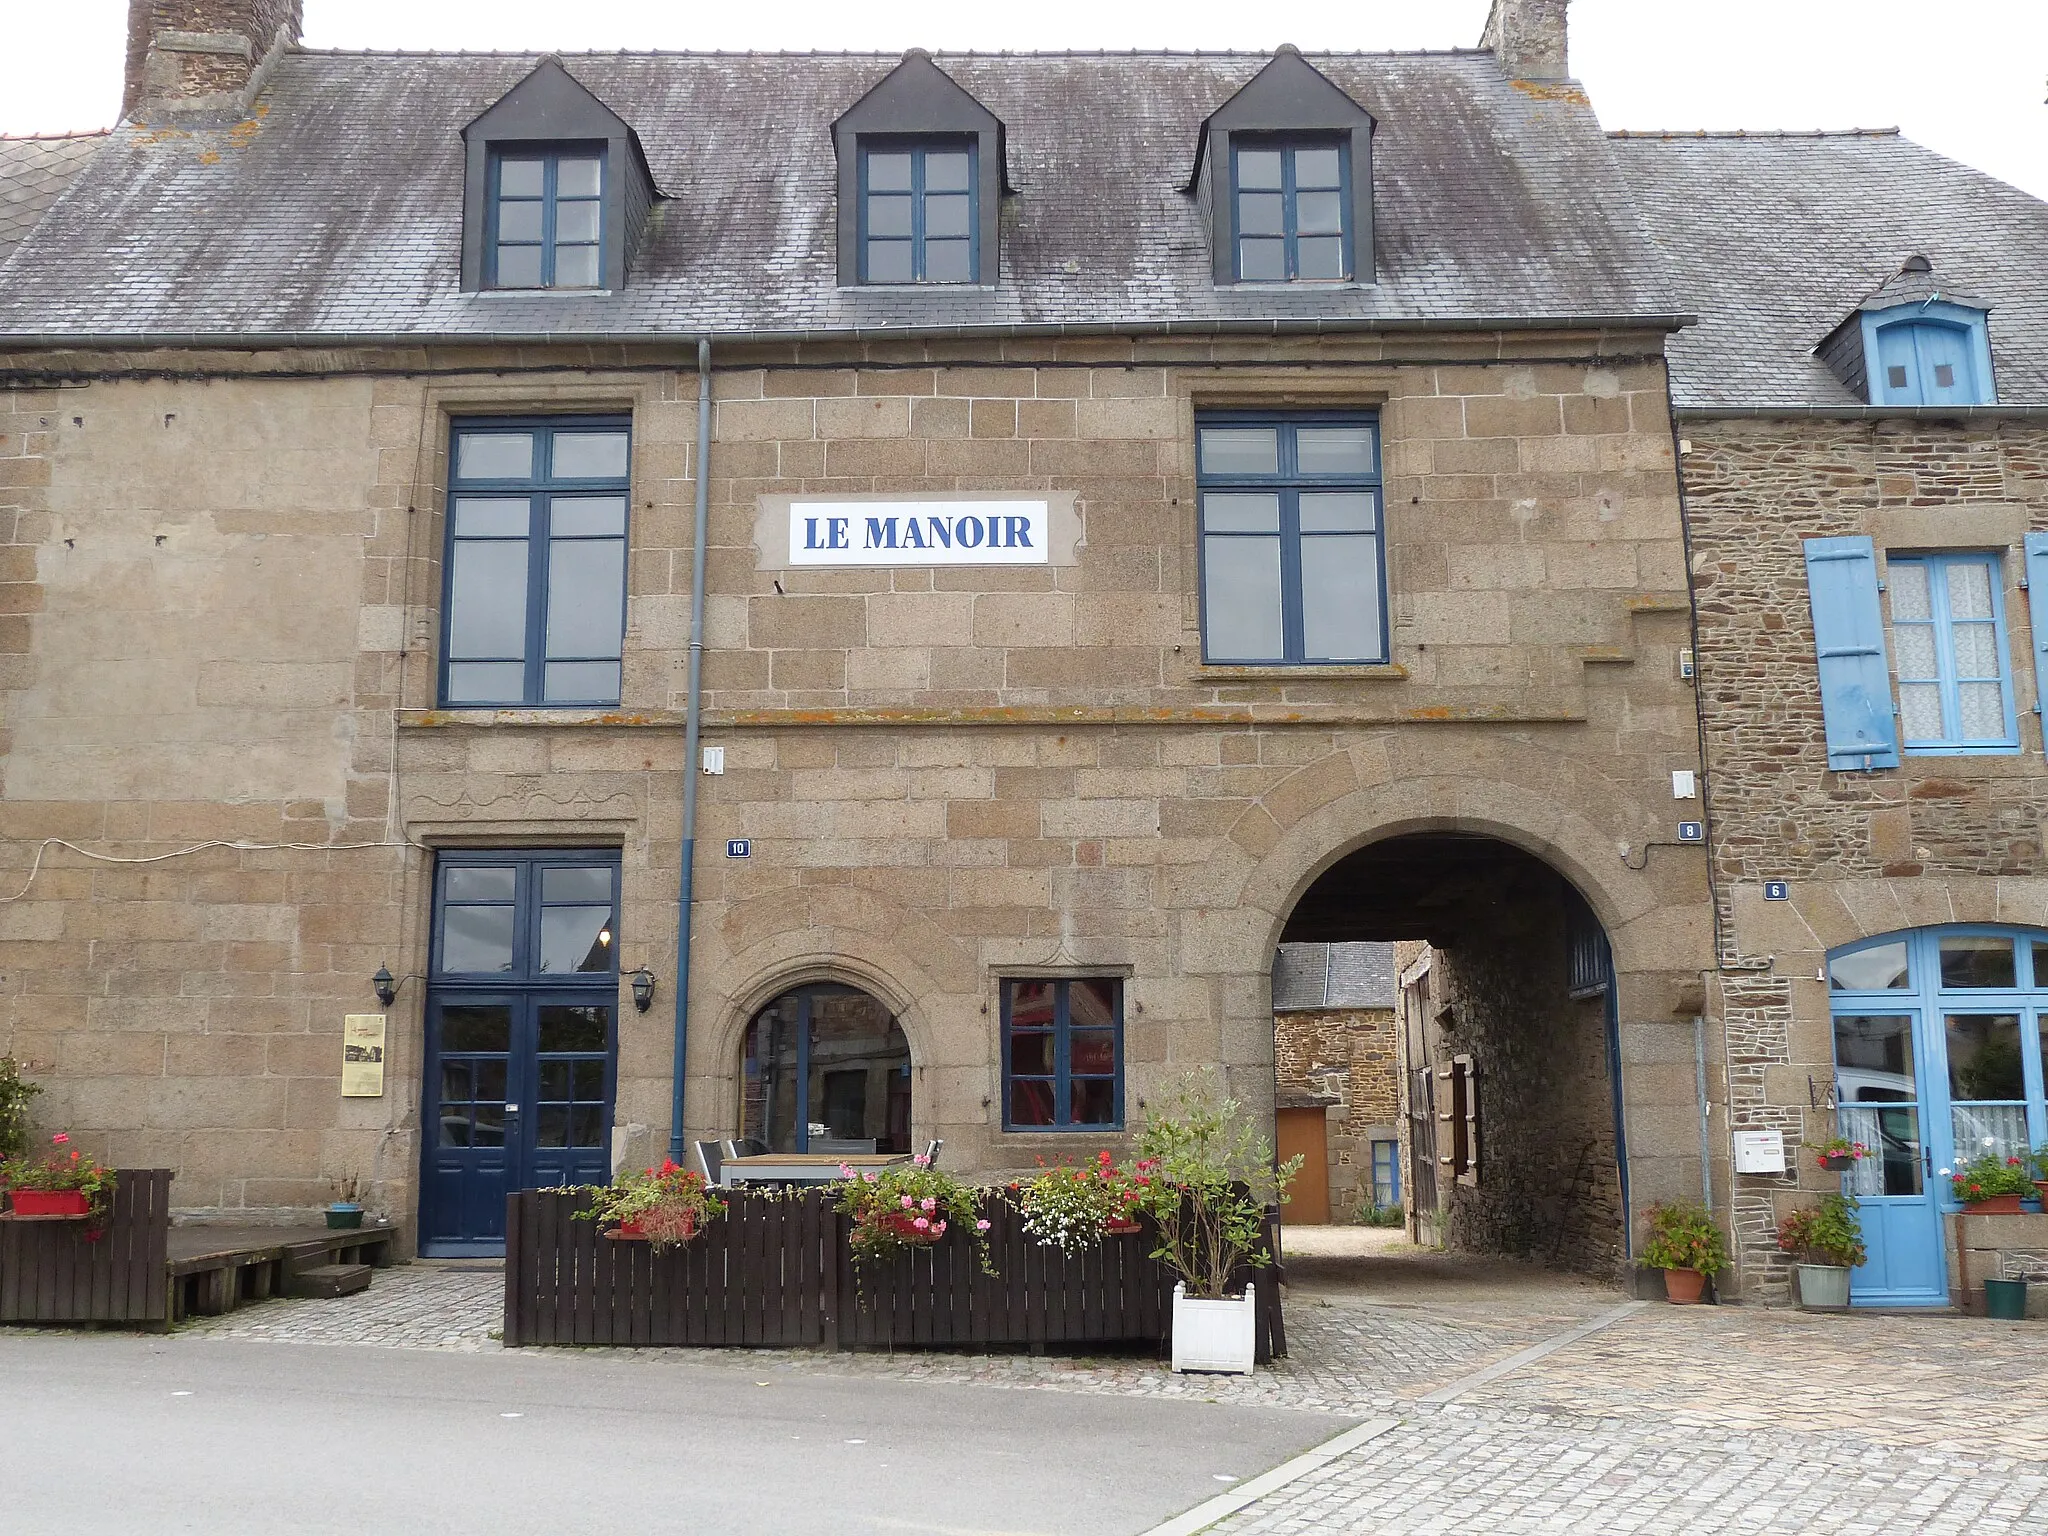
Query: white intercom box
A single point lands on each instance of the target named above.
(1759, 1151)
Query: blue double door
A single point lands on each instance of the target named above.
(521, 1038)
(1939, 1060)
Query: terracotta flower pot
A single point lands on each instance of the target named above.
(1994, 1205)
(1122, 1226)
(1683, 1286)
(2041, 1187)
(51, 1202)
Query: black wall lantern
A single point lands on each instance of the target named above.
(643, 989)
(386, 988)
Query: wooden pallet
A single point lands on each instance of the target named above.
(213, 1270)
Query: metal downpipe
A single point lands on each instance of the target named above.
(692, 727)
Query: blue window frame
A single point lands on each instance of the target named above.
(536, 561)
(1967, 1010)
(1386, 1174)
(1932, 353)
(547, 218)
(918, 211)
(1288, 201)
(1063, 1054)
(1948, 640)
(1293, 563)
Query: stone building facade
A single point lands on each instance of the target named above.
(237, 787)
(1038, 808)
(1335, 1051)
(1849, 890)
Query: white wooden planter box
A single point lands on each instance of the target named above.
(1215, 1335)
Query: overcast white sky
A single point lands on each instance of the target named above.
(1966, 77)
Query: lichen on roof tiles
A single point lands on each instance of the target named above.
(336, 208)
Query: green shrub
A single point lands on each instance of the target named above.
(15, 1092)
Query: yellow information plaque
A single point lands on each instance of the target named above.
(362, 1056)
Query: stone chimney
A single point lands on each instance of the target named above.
(1528, 37)
(202, 55)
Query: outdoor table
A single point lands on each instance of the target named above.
(803, 1167)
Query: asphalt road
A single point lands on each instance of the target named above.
(139, 1436)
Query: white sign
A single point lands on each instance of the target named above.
(841, 533)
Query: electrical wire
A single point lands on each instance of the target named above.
(238, 845)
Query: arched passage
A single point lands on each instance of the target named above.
(825, 1068)
(1511, 1130)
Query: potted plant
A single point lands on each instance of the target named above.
(1687, 1246)
(1073, 1209)
(1828, 1239)
(664, 1206)
(910, 1205)
(61, 1181)
(346, 1211)
(1205, 1178)
(1992, 1185)
(2040, 1171)
(1838, 1154)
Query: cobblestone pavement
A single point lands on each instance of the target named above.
(1706, 1420)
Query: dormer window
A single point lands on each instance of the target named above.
(1911, 343)
(917, 211)
(557, 193)
(1929, 359)
(921, 181)
(1283, 176)
(548, 219)
(1290, 197)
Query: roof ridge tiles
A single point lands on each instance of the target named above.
(879, 54)
(1753, 133)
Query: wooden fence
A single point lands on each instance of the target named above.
(776, 1270)
(51, 1272)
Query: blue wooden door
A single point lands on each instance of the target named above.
(565, 1116)
(521, 1037)
(473, 1154)
(1883, 1083)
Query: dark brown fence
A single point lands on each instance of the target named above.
(51, 1272)
(777, 1271)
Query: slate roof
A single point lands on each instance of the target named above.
(33, 171)
(1314, 976)
(1774, 238)
(336, 209)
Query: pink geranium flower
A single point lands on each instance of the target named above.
(922, 1223)
(907, 1202)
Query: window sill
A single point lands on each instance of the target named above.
(1286, 672)
(917, 287)
(1943, 749)
(543, 293)
(578, 715)
(1061, 1133)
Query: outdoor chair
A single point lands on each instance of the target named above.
(931, 1153)
(749, 1148)
(709, 1159)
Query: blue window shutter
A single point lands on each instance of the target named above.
(1848, 640)
(2037, 612)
